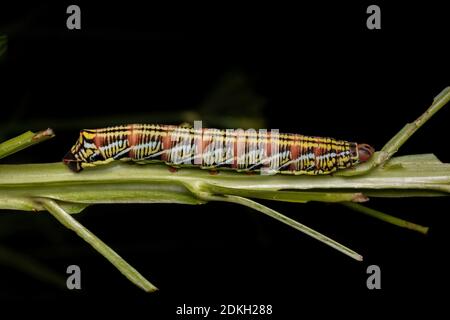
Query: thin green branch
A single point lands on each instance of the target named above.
(290, 196)
(23, 141)
(131, 183)
(392, 146)
(288, 221)
(386, 217)
(66, 219)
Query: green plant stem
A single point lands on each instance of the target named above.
(290, 222)
(386, 217)
(119, 182)
(23, 141)
(392, 146)
(69, 222)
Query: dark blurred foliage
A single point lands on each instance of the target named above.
(312, 69)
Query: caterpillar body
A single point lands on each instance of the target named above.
(238, 150)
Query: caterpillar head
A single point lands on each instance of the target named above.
(84, 153)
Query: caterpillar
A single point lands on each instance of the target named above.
(243, 151)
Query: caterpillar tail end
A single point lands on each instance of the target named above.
(365, 151)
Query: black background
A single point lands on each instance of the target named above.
(319, 71)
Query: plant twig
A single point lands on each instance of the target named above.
(127, 183)
(392, 146)
(23, 141)
(127, 270)
(288, 221)
(386, 217)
